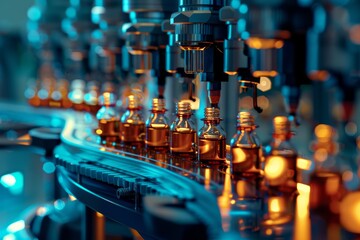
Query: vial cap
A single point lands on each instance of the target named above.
(282, 125)
(107, 99)
(183, 108)
(158, 104)
(133, 102)
(212, 113)
(245, 119)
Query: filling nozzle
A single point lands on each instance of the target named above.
(214, 90)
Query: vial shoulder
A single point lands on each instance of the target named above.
(107, 113)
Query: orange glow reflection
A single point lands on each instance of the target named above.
(319, 75)
(276, 204)
(207, 179)
(323, 132)
(332, 184)
(275, 169)
(355, 33)
(304, 164)
(265, 73)
(262, 43)
(225, 201)
(302, 220)
(349, 212)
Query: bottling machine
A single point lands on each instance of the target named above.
(189, 119)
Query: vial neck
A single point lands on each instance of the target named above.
(212, 122)
(184, 116)
(246, 128)
(283, 136)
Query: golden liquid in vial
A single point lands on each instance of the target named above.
(34, 101)
(108, 130)
(280, 173)
(132, 133)
(157, 137)
(326, 191)
(78, 106)
(108, 127)
(212, 151)
(182, 143)
(245, 161)
(93, 109)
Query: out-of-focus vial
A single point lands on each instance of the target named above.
(108, 120)
(212, 139)
(91, 98)
(157, 127)
(183, 132)
(59, 96)
(326, 184)
(245, 148)
(280, 161)
(76, 94)
(132, 125)
(31, 94)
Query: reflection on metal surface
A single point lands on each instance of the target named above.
(302, 228)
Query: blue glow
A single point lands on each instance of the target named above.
(71, 13)
(34, 13)
(16, 226)
(235, 4)
(241, 25)
(8, 180)
(56, 122)
(353, 183)
(59, 204)
(9, 236)
(14, 182)
(305, 3)
(245, 35)
(242, 213)
(49, 167)
(75, 2)
(243, 8)
(320, 18)
(267, 149)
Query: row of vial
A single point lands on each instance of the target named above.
(208, 145)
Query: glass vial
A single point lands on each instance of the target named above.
(157, 127)
(280, 160)
(91, 98)
(108, 120)
(245, 148)
(183, 132)
(212, 139)
(132, 126)
(327, 187)
(76, 94)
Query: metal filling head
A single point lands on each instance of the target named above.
(158, 104)
(183, 108)
(107, 99)
(212, 113)
(282, 125)
(133, 102)
(245, 119)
